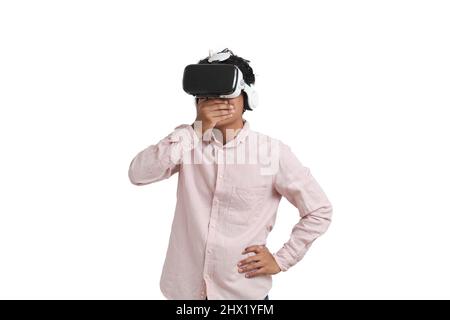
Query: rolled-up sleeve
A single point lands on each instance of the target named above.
(161, 160)
(295, 182)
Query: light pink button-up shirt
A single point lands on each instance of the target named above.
(227, 199)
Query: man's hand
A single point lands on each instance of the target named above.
(261, 263)
(211, 111)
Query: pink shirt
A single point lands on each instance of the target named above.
(227, 199)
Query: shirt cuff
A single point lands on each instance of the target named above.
(281, 263)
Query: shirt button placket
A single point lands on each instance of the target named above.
(214, 214)
(203, 291)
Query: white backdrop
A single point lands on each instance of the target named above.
(358, 89)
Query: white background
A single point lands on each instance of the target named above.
(358, 89)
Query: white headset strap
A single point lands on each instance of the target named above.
(252, 95)
(218, 56)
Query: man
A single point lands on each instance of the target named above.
(230, 182)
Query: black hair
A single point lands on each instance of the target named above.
(243, 65)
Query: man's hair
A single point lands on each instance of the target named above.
(243, 65)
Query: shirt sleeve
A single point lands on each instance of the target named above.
(161, 160)
(295, 182)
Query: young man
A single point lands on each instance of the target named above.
(230, 182)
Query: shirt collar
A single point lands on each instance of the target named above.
(209, 136)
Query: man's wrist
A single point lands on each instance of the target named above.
(197, 128)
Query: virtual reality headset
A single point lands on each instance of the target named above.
(217, 80)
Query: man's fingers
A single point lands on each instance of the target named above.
(219, 113)
(218, 106)
(255, 249)
(251, 266)
(255, 273)
(211, 102)
(221, 107)
(253, 258)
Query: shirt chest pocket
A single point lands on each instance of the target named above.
(244, 205)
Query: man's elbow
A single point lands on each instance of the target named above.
(322, 217)
(132, 176)
(326, 215)
(133, 179)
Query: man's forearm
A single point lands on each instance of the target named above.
(308, 229)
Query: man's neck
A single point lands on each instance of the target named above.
(232, 128)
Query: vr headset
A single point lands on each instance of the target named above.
(217, 80)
